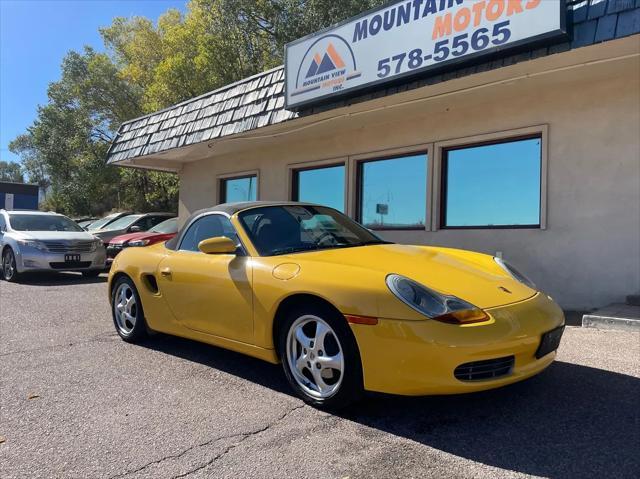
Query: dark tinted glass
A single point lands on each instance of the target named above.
(207, 227)
(276, 230)
(493, 185)
(323, 186)
(394, 193)
(239, 189)
(149, 222)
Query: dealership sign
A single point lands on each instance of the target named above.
(412, 37)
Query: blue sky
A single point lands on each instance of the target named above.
(34, 37)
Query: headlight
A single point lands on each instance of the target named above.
(447, 309)
(514, 273)
(95, 244)
(143, 242)
(33, 244)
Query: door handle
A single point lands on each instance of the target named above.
(166, 272)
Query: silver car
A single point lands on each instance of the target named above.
(33, 241)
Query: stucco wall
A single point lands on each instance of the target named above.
(589, 253)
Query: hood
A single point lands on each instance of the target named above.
(55, 235)
(474, 277)
(141, 235)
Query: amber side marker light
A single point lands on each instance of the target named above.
(466, 316)
(366, 320)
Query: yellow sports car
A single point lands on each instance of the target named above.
(341, 309)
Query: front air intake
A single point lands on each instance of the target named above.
(484, 370)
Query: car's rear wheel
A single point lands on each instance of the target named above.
(9, 268)
(128, 315)
(320, 357)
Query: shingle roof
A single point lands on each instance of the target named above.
(258, 101)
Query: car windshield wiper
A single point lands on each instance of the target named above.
(372, 242)
(301, 249)
(294, 249)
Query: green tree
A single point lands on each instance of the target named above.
(148, 67)
(11, 172)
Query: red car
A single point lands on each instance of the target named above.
(159, 233)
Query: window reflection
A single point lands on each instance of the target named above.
(393, 193)
(494, 185)
(322, 186)
(236, 190)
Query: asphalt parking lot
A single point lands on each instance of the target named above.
(77, 402)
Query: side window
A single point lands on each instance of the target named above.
(211, 226)
(2, 224)
(156, 220)
(149, 222)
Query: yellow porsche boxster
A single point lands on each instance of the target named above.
(342, 310)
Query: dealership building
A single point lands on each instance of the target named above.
(507, 127)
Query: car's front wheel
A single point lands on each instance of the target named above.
(128, 315)
(320, 357)
(9, 268)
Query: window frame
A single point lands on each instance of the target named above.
(443, 148)
(223, 179)
(359, 186)
(295, 178)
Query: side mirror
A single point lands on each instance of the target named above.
(219, 245)
(135, 229)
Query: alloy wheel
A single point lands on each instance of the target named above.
(126, 308)
(315, 357)
(8, 265)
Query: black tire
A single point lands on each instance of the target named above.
(129, 331)
(351, 387)
(94, 273)
(8, 266)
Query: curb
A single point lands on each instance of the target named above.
(609, 323)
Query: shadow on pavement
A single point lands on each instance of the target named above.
(570, 421)
(59, 279)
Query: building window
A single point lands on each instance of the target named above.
(235, 190)
(392, 193)
(322, 186)
(492, 185)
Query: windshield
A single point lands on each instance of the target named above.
(123, 223)
(100, 223)
(42, 223)
(276, 230)
(167, 227)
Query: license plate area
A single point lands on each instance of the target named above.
(550, 342)
(71, 258)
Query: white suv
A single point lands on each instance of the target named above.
(33, 241)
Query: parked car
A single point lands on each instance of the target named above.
(341, 309)
(107, 220)
(130, 224)
(161, 232)
(33, 241)
(85, 222)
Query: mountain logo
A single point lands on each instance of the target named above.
(323, 64)
(328, 64)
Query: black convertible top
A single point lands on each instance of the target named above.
(229, 209)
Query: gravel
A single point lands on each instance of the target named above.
(77, 402)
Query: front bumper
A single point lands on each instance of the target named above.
(33, 260)
(419, 357)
